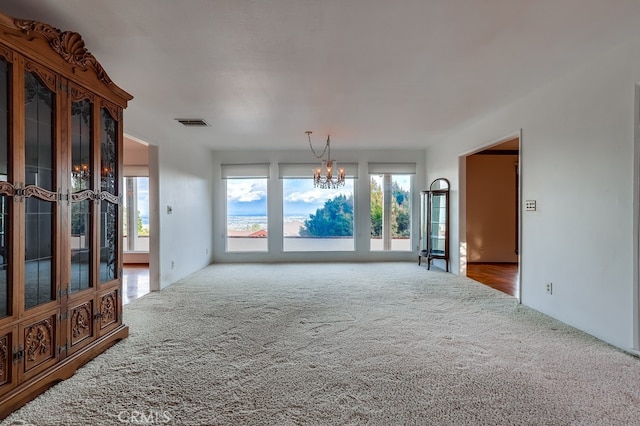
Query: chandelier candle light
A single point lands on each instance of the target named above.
(323, 176)
(81, 172)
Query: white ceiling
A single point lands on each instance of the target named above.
(373, 73)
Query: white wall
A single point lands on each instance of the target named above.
(578, 163)
(274, 206)
(183, 243)
(491, 208)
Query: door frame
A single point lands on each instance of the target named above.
(636, 221)
(462, 203)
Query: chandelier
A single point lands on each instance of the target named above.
(323, 176)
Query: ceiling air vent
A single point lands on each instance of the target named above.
(193, 122)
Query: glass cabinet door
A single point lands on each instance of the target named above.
(438, 224)
(40, 192)
(109, 197)
(81, 195)
(424, 204)
(5, 302)
(434, 242)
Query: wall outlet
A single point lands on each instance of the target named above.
(549, 288)
(530, 205)
(173, 264)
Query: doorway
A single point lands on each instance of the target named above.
(140, 251)
(492, 215)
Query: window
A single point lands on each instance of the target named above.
(136, 214)
(246, 188)
(316, 219)
(391, 188)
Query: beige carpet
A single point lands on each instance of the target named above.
(318, 344)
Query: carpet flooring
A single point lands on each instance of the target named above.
(342, 344)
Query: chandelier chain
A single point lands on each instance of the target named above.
(327, 146)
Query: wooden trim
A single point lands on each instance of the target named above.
(498, 152)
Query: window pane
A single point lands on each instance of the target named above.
(390, 212)
(247, 215)
(136, 214)
(376, 212)
(401, 213)
(317, 219)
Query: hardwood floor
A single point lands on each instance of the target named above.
(501, 276)
(135, 282)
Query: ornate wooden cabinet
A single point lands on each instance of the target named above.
(60, 208)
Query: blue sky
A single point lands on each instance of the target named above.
(249, 196)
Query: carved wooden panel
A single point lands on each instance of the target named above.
(109, 309)
(112, 109)
(81, 322)
(78, 93)
(5, 360)
(47, 77)
(7, 189)
(43, 194)
(107, 196)
(39, 342)
(6, 53)
(68, 44)
(87, 194)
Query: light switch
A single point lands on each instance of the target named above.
(530, 205)
(169, 210)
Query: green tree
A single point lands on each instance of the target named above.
(142, 231)
(400, 211)
(334, 219)
(376, 209)
(400, 215)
